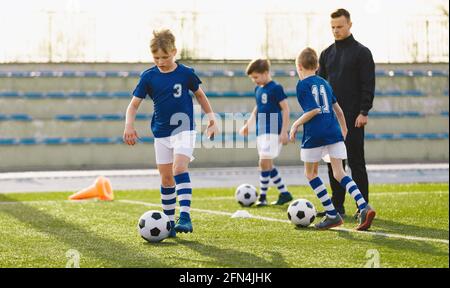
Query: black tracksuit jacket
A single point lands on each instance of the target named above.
(349, 67)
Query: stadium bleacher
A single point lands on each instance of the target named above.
(81, 111)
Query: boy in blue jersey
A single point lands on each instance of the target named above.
(324, 131)
(272, 124)
(168, 84)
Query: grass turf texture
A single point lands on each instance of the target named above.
(39, 228)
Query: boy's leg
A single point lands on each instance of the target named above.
(284, 195)
(164, 161)
(184, 192)
(168, 194)
(332, 218)
(366, 212)
(265, 166)
(275, 176)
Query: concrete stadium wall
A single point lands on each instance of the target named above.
(431, 104)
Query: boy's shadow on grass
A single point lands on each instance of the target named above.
(231, 258)
(78, 238)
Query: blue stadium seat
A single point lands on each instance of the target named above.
(20, 117)
(28, 141)
(57, 95)
(8, 141)
(33, 95)
(66, 117)
(148, 140)
(112, 117)
(76, 140)
(89, 117)
(140, 116)
(53, 141)
(121, 94)
(77, 94)
(100, 140)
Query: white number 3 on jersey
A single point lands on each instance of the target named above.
(178, 90)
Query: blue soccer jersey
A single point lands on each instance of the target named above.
(268, 115)
(323, 129)
(172, 102)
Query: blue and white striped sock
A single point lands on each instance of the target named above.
(352, 188)
(321, 192)
(184, 192)
(264, 180)
(169, 202)
(277, 181)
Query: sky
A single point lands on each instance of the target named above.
(119, 31)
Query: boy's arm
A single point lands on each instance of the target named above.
(285, 126)
(206, 106)
(302, 120)
(244, 130)
(340, 116)
(130, 134)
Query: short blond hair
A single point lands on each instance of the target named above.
(164, 40)
(308, 59)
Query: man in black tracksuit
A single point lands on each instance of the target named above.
(349, 68)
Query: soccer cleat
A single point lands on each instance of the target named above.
(341, 212)
(184, 225)
(172, 233)
(365, 218)
(262, 201)
(328, 222)
(356, 215)
(283, 198)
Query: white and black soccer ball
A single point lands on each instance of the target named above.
(246, 195)
(154, 226)
(302, 213)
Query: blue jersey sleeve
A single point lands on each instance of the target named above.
(279, 93)
(305, 98)
(143, 88)
(194, 81)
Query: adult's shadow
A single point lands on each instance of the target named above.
(412, 230)
(231, 258)
(86, 242)
(395, 243)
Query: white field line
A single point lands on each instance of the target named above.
(222, 213)
(387, 235)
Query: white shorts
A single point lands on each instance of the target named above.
(313, 155)
(181, 143)
(269, 146)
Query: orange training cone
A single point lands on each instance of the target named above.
(101, 189)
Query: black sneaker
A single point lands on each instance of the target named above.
(262, 201)
(283, 199)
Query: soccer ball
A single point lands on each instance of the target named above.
(301, 212)
(246, 195)
(154, 226)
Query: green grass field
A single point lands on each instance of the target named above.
(39, 228)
